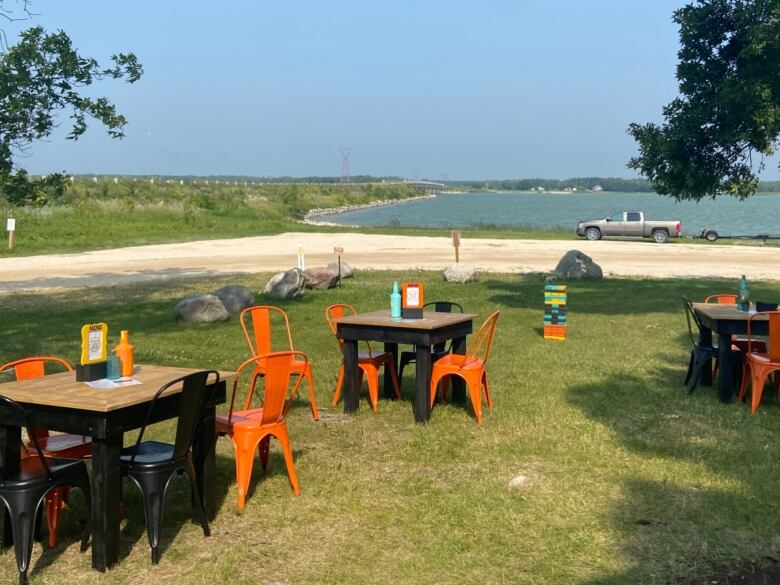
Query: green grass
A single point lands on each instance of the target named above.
(631, 480)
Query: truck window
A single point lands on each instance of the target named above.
(633, 216)
(616, 216)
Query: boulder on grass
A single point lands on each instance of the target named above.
(460, 273)
(235, 297)
(575, 265)
(346, 269)
(286, 285)
(201, 309)
(320, 277)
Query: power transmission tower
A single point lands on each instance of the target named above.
(345, 164)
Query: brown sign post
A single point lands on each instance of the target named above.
(338, 251)
(456, 244)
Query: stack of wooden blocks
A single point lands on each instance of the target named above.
(555, 312)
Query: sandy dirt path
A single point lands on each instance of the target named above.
(278, 252)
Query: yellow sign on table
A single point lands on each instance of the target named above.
(94, 343)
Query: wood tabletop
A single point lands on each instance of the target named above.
(63, 390)
(431, 320)
(720, 312)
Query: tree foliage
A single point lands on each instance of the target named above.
(41, 77)
(716, 134)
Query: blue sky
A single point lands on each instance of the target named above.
(490, 89)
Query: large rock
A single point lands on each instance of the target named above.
(235, 297)
(575, 264)
(286, 285)
(201, 309)
(320, 277)
(460, 273)
(346, 269)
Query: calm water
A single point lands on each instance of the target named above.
(758, 214)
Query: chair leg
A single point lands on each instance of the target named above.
(245, 456)
(759, 379)
(284, 441)
(475, 392)
(394, 378)
(199, 505)
(405, 359)
(746, 378)
(86, 488)
(690, 369)
(699, 363)
(435, 379)
(339, 382)
(312, 397)
(487, 391)
(55, 502)
(265, 445)
(23, 509)
(373, 388)
(153, 491)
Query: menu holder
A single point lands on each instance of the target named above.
(412, 300)
(92, 366)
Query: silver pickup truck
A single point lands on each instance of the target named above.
(629, 224)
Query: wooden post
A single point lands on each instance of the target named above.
(338, 250)
(10, 225)
(456, 244)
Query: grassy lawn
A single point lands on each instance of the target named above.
(630, 480)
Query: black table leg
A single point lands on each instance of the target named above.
(726, 388)
(10, 451)
(705, 339)
(106, 486)
(203, 453)
(350, 384)
(391, 348)
(422, 408)
(458, 384)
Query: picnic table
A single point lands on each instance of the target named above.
(59, 403)
(433, 328)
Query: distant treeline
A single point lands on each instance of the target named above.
(579, 183)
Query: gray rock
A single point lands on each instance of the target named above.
(235, 297)
(320, 277)
(286, 285)
(346, 269)
(201, 309)
(460, 273)
(575, 264)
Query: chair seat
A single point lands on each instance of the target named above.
(148, 453)
(741, 344)
(761, 358)
(460, 362)
(65, 446)
(31, 472)
(373, 357)
(251, 417)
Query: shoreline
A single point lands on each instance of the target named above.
(312, 216)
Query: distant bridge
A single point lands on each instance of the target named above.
(430, 187)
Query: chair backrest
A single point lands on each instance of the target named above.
(34, 367)
(774, 334)
(482, 342)
(335, 312)
(277, 401)
(256, 323)
(691, 317)
(193, 399)
(722, 299)
(443, 307)
(18, 416)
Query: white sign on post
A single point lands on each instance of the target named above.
(10, 225)
(301, 261)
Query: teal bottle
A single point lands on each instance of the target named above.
(743, 299)
(395, 302)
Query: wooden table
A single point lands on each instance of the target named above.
(725, 321)
(433, 328)
(59, 403)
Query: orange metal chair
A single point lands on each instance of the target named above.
(62, 446)
(259, 342)
(760, 364)
(251, 428)
(737, 342)
(369, 361)
(722, 299)
(469, 367)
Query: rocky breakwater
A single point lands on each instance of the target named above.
(314, 216)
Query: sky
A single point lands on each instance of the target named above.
(416, 88)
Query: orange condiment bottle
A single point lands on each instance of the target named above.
(124, 351)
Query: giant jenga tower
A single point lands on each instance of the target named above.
(555, 312)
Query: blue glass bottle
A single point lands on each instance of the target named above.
(743, 299)
(395, 302)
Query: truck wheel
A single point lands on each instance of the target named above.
(660, 236)
(711, 236)
(593, 234)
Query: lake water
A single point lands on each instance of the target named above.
(758, 214)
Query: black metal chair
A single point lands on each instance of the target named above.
(23, 492)
(701, 355)
(151, 464)
(440, 349)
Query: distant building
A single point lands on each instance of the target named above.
(597, 188)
